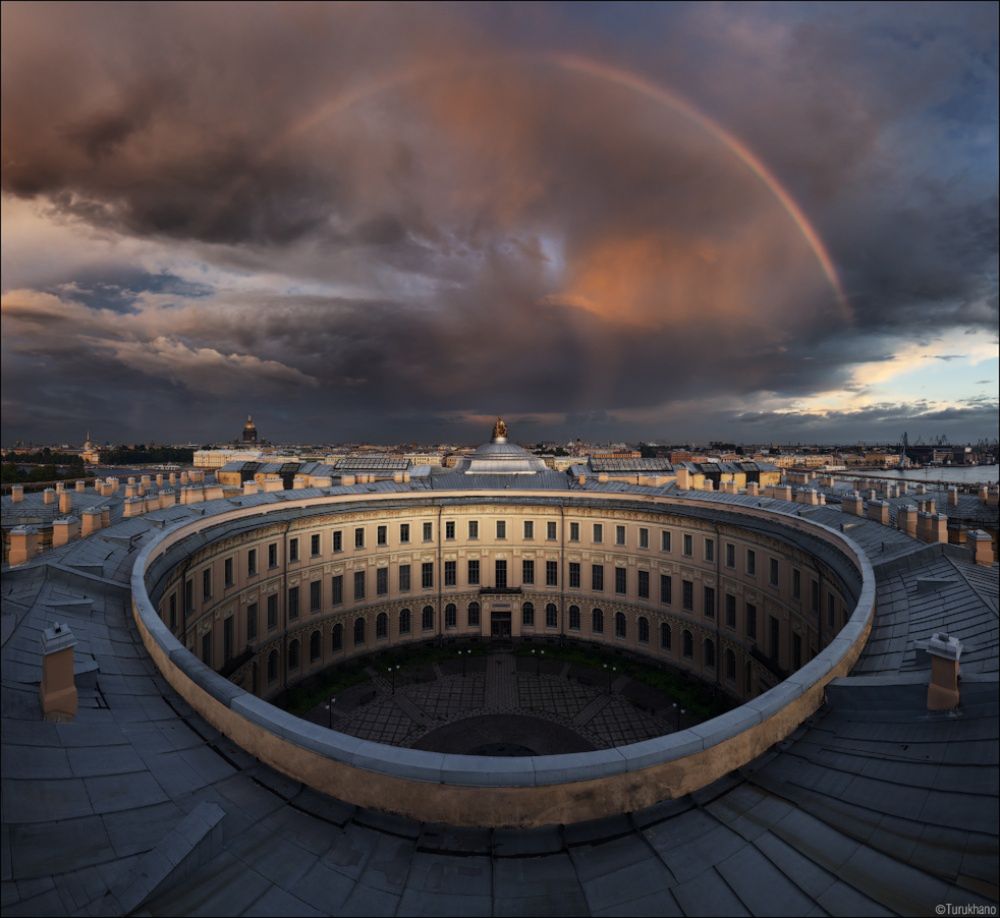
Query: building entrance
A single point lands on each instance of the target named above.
(500, 624)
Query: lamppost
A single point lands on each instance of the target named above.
(329, 711)
(610, 670)
(392, 672)
(678, 713)
(463, 654)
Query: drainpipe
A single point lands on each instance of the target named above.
(718, 594)
(284, 606)
(562, 573)
(440, 576)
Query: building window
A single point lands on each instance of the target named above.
(473, 614)
(621, 625)
(337, 638)
(574, 618)
(359, 585)
(644, 584)
(710, 653)
(206, 584)
(574, 532)
(665, 636)
(552, 573)
(528, 571)
(252, 621)
(427, 575)
(528, 615)
(751, 563)
(336, 590)
(381, 626)
(643, 630)
(597, 621)
(404, 533)
(831, 607)
(775, 645)
(730, 610)
(227, 571)
(688, 545)
(501, 530)
(774, 572)
(551, 616)
(404, 621)
(451, 615)
(272, 666)
(315, 595)
(427, 618)
(449, 529)
(664, 540)
(687, 589)
(688, 642)
(500, 575)
(314, 548)
(272, 555)
(188, 595)
(597, 576)
(382, 535)
(730, 555)
(666, 588)
(314, 648)
(643, 538)
(574, 575)
(428, 532)
(730, 665)
(227, 639)
(529, 529)
(751, 621)
(796, 583)
(815, 595)
(293, 655)
(173, 611)
(473, 573)
(338, 540)
(619, 535)
(272, 611)
(450, 573)
(359, 537)
(709, 602)
(473, 529)
(404, 578)
(621, 580)
(382, 581)
(709, 549)
(598, 533)
(359, 631)
(293, 602)
(293, 550)
(251, 562)
(550, 531)
(796, 651)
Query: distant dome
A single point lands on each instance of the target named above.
(249, 424)
(499, 457)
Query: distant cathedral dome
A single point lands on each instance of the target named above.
(498, 457)
(249, 431)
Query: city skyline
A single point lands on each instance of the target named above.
(699, 222)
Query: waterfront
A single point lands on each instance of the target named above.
(957, 474)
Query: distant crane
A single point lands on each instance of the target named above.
(902, 452)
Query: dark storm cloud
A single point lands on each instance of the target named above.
(489, 232)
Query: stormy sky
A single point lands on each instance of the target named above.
(387, 223)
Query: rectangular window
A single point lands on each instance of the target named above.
(473, 529)
(252, 562)
(751, 621)
(815, 596)
(404, 533)
(188, 595)
(206, 584)
(730, 555)
(272, 611)
(774, 572)
(688, 545)
(709, 602)
(359, 537)
(598, 533)
(314, 548)
(687, 592)
(796, 651)
(666, 588)
(404, 578)
(338, 540)
(427, 574)
(227, 639)
(664, 540)
(597, 576)
(474, 614)
(382, 581)
(552, 573)
(500, 570)
(501, 529)
(293, 549)
(621, 581)
(473, 573)
(527, 572)
(796, 584)
(227, 568)
(709, 549)
(428, 532)
(337, 590)
(315, 595)
(450, 573)
(775, 647)
(449, 529)
(382, 535)
(619, 535)
(574, 532)
(730, 610)
(293, 602)
(550, 531)
(644, 584)
(206, 648)
(529, 529)
(272, 555)
(574, 575)
(751, 562)
(831, 606)
(643, 538)
(173, 611)
(359, 585)
(252, 622)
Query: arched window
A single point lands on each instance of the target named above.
(451, 615)
(427, 618)
(272, 666)
(337, 638)
(621, 625)
(528, 615)
(643, 630)
(730, 665)
(665, 636)
(359, 631)
(314, 648)
(551, 616)
(574, 618)
(382, 625)
(474, 614)
(404, 621)
(710, 652)
(688, 644)
(597, 621)
(293, 655)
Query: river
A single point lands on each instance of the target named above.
(956, 474)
